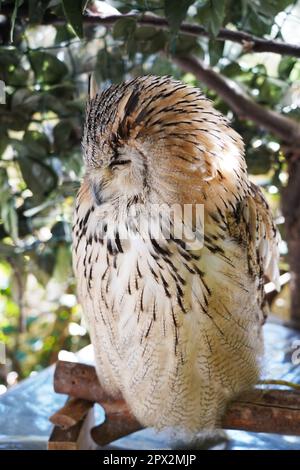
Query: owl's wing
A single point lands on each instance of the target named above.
(252, 224)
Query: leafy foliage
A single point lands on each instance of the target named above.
(175, 16)
(46, 54)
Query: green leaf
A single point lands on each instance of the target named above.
(10, 218)
(47, 68)
(26, 100)
(64, 33)
(46, 263)
(109, 66)
(61, 232)
(259, 161)
(11, 69)
(285, 67)
(63, 264)
(4, 141)
(232, 70)
(8, 212)
(143, 33)
(7, 330)
(17, 4)
(270, 92)
(188, 44)
(215, 49)
(62, 133)
(124, 28)
(38, 176)
(211, 15)
(175, 12)
(152, 45)
(7, 251)
(58, 106)
(258, 24)
(37, 144)
(73, 13)
(268, 8)
(24, 223)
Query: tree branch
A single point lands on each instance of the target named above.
(71, 413)
(283, 127)
(258, 410)
(250, 42)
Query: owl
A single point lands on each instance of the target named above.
(176, 325)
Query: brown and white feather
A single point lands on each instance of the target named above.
(178, 332)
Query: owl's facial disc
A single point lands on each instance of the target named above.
(119, 177)
(119, 161)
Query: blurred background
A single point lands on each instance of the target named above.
(48, 48)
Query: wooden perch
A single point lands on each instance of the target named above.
(77, 437)
(116, 425)
(78, 380)
(259, 410)
(270, 411)
(74, 411)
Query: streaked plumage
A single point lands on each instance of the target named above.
(178, 332)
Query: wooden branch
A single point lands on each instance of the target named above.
(79, 381)
(251, 43)
(288, 130)
(116, 425)
(270, 411)
(119, 421)
(71, 413)
(273, 411)
(77, 437)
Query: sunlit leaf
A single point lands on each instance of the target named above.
(286, 66)
(47, 68)
(73, 12)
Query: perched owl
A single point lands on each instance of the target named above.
(176, 326)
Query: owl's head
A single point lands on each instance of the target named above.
(154, 138)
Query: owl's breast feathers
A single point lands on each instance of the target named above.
(241, 237)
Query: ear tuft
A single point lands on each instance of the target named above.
(93, 87)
